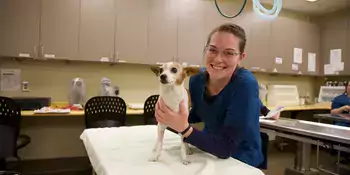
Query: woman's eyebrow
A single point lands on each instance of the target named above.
(224, 49)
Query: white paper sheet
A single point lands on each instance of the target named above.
(298, 55)
(295, 67)
(278, 60)
(335, 56)
(10, 79)
(338, 66)
(328, 69)
(311, 65)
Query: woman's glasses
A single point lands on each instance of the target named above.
(212, 51)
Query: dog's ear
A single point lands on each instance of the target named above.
(190, 71)
(155, 70)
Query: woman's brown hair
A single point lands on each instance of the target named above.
(235, 30)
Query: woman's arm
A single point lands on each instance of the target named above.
(338, 108)
(240, 127)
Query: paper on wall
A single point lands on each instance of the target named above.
(278, 60)
(329, 69)
(298, 55)
(311, 65)
(295, 67)
(10, 79)
(335, 56)
(338, 66)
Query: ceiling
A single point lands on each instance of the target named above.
(317, 8)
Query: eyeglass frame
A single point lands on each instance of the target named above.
(223, 55)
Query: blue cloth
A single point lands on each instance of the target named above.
(340, 101)
(231, 119)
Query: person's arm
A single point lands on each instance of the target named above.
(337, 107)
(241, 123)
(192, 117)
(264, 110)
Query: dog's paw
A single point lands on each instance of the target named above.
(186, 162)
(189, 152)
(153, 159)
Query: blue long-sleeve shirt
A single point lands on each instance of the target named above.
(338, 102)
(231, 118)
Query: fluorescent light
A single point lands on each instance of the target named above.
(311, 0)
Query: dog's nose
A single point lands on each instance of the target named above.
(163, 77)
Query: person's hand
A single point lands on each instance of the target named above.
(277, 116)
(345, 108)
(176, 121)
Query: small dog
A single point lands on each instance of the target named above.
(172, 91)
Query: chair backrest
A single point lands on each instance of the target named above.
(105, 111)
(10, 118)
(10, 112)
(149, 109)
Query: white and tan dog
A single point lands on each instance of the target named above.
(172, 91)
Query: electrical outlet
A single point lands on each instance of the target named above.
(25, 87)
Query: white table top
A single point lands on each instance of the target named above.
(125, 150)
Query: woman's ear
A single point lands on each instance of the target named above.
(190, 71)
(155, 70)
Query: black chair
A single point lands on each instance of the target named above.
(105, 111)
(149, 109)
(11, 141)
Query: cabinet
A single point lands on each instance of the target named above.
(259, 51)
(284, 34)
(334, 37)
(162, 31)
(19, 29)
(191, 36)
(97, 30)
(131, 30)
(309, 40)
(59, 29)
(347, 62)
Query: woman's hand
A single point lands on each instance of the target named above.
(345, 108)
(176, 121)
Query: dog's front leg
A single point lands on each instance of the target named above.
(184, 152)
(159, 143)
(188, 150)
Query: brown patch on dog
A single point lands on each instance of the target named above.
(182, 76)
(155, 70)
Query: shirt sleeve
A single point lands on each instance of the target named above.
(192, 117)
(263, 110)
(240, 128)
(336, 102)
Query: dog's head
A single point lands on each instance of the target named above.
(173, 73)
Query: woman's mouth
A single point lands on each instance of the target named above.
(217, 67)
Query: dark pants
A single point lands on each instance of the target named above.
(264, 150)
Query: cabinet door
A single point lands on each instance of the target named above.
(131, 30)
(284, 35)
(334, 37)
(191, 36)
(162, 31)
(19, 29)
(258, 45)
(347, 62)
(60, 29)
(309, 40)
(97, 30)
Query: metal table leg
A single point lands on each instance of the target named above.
(302, 161)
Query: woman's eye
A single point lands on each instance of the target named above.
(173, 70)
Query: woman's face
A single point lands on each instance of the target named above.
(222, 55)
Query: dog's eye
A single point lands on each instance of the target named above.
(160, 70)
(173, 70)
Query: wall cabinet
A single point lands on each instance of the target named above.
(162, 31)
(59, 29)
(131, 31)
(97, 30)
(191, 36)
(19, 29)
(334, 36)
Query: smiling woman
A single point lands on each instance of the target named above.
(226, 98)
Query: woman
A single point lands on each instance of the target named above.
(341, 104)
(225, 97)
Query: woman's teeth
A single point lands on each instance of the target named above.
(217, 67)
